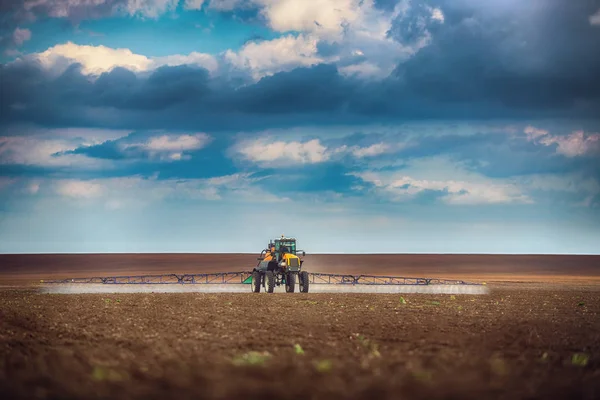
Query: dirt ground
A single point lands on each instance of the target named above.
(520, 342)
(27, 268)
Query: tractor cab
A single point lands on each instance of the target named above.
(284, 245)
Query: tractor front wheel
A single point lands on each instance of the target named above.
(256, 281)
(290, 282)
(270, 281)
(303, 282)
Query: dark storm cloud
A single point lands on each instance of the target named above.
(538, 55)
(538, 59)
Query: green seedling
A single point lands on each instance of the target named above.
(452, 297)
(252, 358)
(402, 301)
(298, 349)
(435, 303)
(323, 365)
(581, 304)
(371, 346)
(106, 374)
(580, 359)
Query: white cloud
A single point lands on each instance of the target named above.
(77, 8)
(266, 151)
(20, 36)
(33, 187)
(533, 133)
(575, 144)
(168, 147)
(323, 17)
(355, 28)
(457, 192)
(39, 147)
(79, 189)
(283, 153)
(595, 18)
(268, 57)
(193, 4)
(437, 15)
(120, 193)
(98, 59)
(370, 151)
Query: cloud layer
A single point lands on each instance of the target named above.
(353, 113)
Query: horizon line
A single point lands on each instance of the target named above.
(315, 253)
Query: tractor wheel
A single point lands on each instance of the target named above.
(256, 281)
(303, 282)
(270, 281)
(290, 282)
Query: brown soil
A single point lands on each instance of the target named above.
(22, 269)
(513, 344)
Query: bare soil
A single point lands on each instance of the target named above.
(516, 343)
(31, 268)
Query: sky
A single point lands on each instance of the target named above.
(356, 126)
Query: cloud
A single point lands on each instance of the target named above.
(268, 152)
(48, 147)
(134, 191)
(268, 57)
(595, 18)
(193, 4)
(79, 189)
(403, 188)
(437, 15)
(533, 133)
(575, 144)
(282, 153)
(496, 72)
(370, 151)
(14, 40)
(78, 10)
(354, 32)
(96, 60)
(20, 36)
(153, 147)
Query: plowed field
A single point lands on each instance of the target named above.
(519, 342)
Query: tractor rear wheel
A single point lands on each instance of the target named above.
(290, 282)
(256, 281)
(270, 281)
(303, 281)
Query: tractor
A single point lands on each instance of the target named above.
(280, 264)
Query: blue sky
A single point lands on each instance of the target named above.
(366, 126)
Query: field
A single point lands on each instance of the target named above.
(535, 336)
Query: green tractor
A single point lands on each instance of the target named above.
(280, 264)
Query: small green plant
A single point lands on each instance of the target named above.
(402, 300)
(435, 303)
(298, 349)
(580, 359)
(106, 374)
(323, 366)
(252, 358)
(422, 375)
(369, 345)
(460, 308)
(581, 304)
(452, 297)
